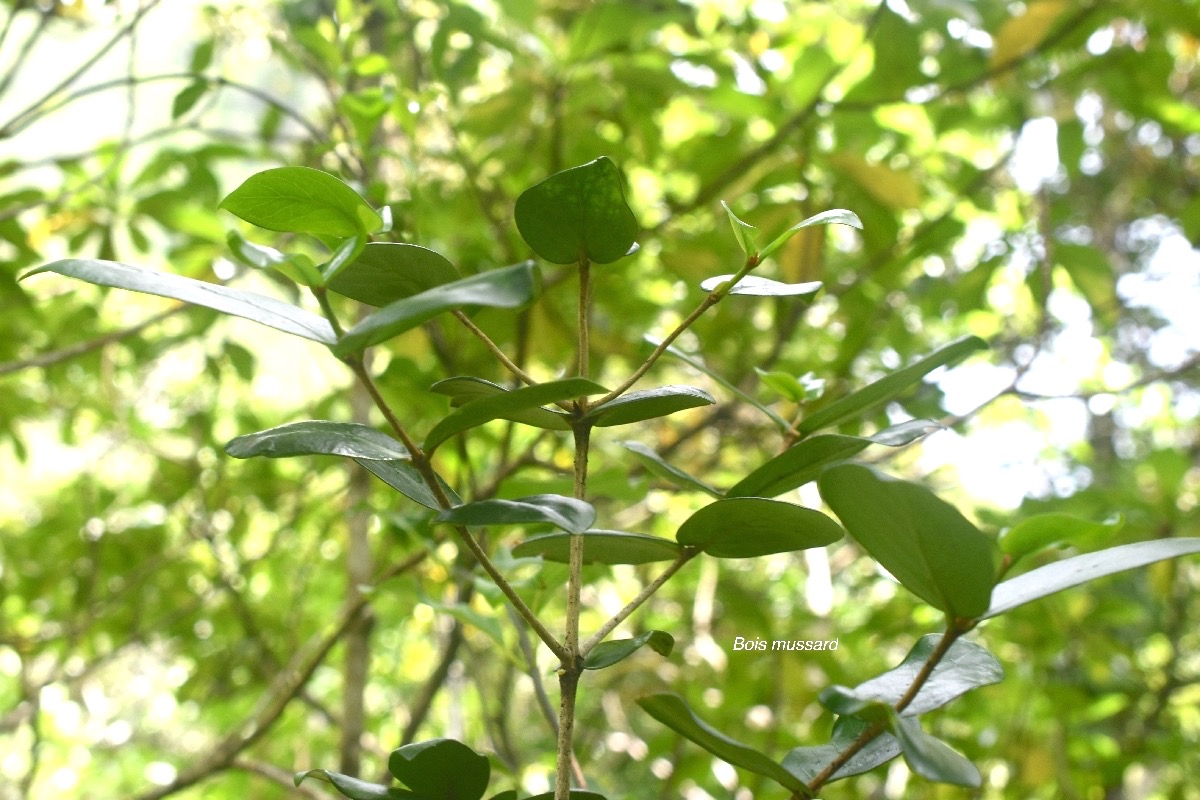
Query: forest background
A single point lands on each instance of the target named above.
(1025, 172)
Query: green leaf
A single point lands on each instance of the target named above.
(573, 516)
(504, 406)
(672, 711)
(605, 654)
(386, 272)
(441, 769)
(742, 231)
(931, 758)
(256, 307)
(298, 268)
(601, 547)
(798, 389)
(808, 762)
(657, 465)
(342, 257)
(1046, 530)
(923, 541)
(510, 287)
(353, 787)
(318, 437)
(836, 216)
(406, 479)
(965, 666)
(578, 213)
(803, 461)
(745, 527)
(463, 389)
(302, 200)
(763, 287)
(890, 386)
(1052, 578)
(648, 404)
(187, 98)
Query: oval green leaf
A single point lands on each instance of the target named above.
(1047, 530)
(318, 437)
(406, 479)
(890, 386)
(507, 405)
(248, 305)
(923, 541)
(605, 654)
(573, 516)
(803, 461)
(808, 762)
(576, 214)
(745, 527)
(672, 711)
(601, 547)
(386, 272)
(931, 758)
(302, 200)
(441, 769)
(1045, 581)
(648, 404)
(755, 286)
(354, 788)
(463, 389)
(510, 287)
(657, 465)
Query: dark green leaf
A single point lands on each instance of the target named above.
(763, 287)
(965, 666)
(504, 406)
(573, 516)
(406, 479)
(923, 541)
(803, 461)
(1045, 530)
(318, 437)
(354, 788)
(836, 216)
(1045, 581)
(808, 762)
(890, 386)
(601, 547)
(745, 527)
(931, 758)
(605, 654)
(463, 389)
(648, 404)
(510, 287)
(302, 200)
(385, 272)
(256, 307)
(578, 213)
(441, 769)
(742, 231)
(672, 711)
(655, 463)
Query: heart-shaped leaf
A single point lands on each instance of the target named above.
(763, 287)
(890, 386)
(1046, 530)
(1045, 581)
(386, 272)
(745, 527)
(648, 404)
(657, 465)
(318, 437)
(931, 758)
(808, 762)
(355, 788)
(931, 548)
(510, 287)
(463, 389)
(605, 654)
(803, 461)
(406, 479)
(964, 666)
(507, 405)
(441, 769)
(601, 547)
(579, 213)
(672, 711)
(567, 513)
(259, 308)
(302, 200)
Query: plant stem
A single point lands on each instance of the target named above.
(494, 349)
(687, 555)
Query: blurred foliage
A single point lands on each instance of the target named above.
(1027, 172)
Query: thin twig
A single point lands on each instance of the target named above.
(687, 555)
(83, 348)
